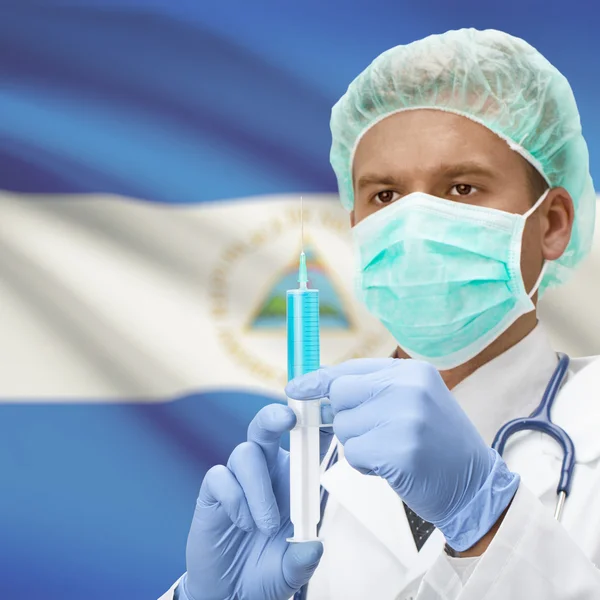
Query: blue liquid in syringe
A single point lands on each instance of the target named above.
(304, 352)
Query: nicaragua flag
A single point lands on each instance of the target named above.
(149, 227)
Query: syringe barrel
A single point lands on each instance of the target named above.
(303, 357)
(304, 352)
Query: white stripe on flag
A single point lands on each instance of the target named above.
(111, 298)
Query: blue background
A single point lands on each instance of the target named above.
(183, 102)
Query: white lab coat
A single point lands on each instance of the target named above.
(369, 548)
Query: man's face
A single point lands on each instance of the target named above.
(448, 156)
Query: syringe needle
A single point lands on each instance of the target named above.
(302, 272)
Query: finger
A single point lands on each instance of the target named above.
(267, 427)
(248, 463)
(220, 486)
(316, 384)
(350, 391)
(300, 562)
(348, 424)
(358, 451)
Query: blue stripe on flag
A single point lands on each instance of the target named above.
(97, 499)
(160, 109)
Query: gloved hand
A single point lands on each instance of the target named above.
(237, 542)
(397, 419)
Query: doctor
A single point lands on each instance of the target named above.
(461, 161)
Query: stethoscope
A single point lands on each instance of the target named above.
(539, 420)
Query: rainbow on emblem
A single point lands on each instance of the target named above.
(271, 313)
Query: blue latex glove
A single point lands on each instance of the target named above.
(237, 542)
(397, 419)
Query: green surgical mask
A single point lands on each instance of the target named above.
(443, 277)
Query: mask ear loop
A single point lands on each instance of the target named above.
(540, 201)
(534, 289)
(537, 204)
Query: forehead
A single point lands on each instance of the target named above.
(420, 142)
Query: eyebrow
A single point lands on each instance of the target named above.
(448, 171)
(374, 179)
(467, 168)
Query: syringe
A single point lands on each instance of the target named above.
(304, 356)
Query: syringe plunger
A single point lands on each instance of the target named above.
(305, 474)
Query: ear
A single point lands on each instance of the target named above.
(352, 219)
(556, 223)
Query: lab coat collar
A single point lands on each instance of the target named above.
(509, 386)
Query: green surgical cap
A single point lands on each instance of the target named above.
(495, 79)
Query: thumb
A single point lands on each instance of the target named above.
(299, 563)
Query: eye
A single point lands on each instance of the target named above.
(385, 197)
(462, 189)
